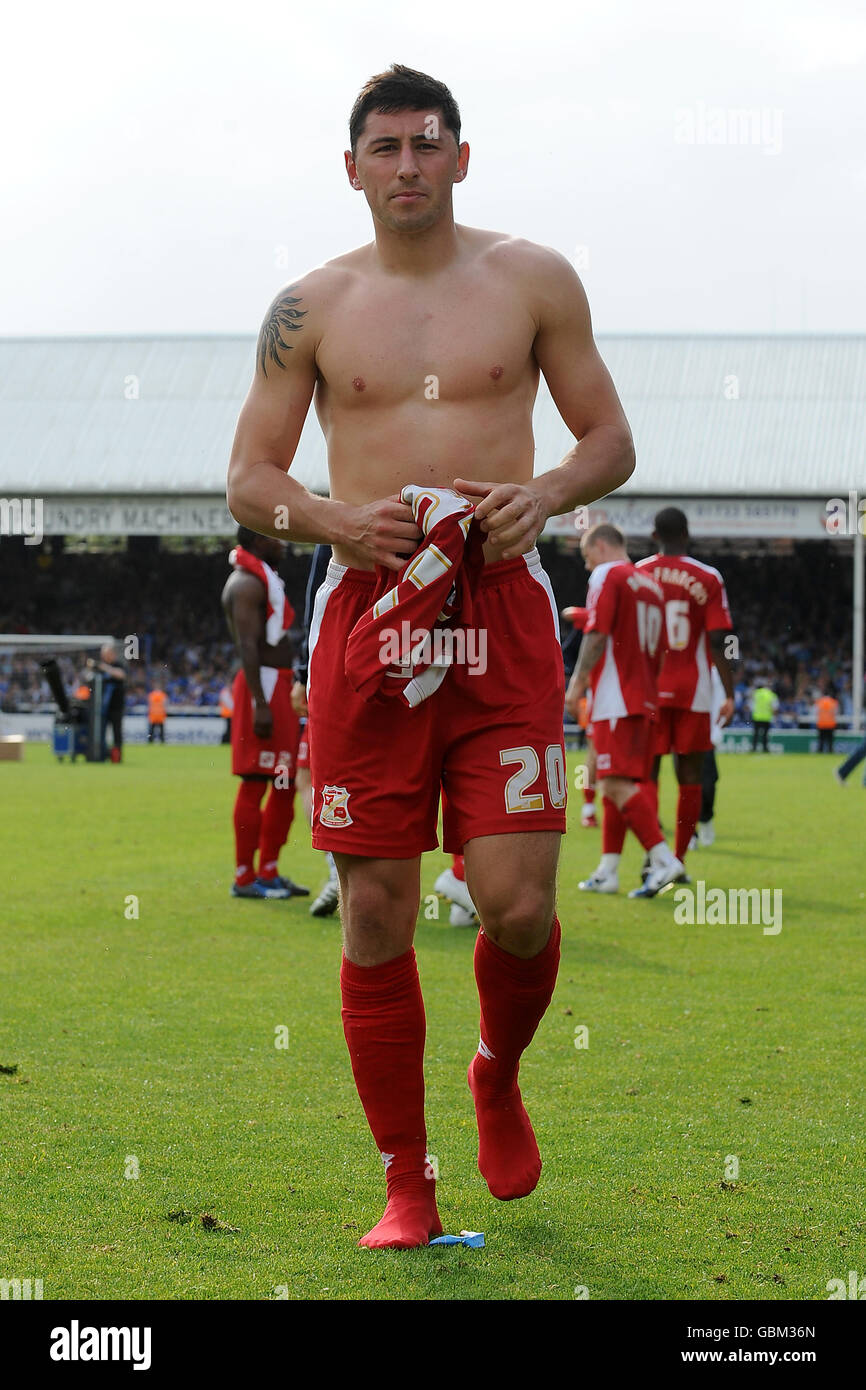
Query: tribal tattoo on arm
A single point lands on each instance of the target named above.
(283, 317)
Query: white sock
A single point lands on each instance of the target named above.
(660, 855)
(332, 868)
(608, 864)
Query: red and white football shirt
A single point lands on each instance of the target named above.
(628, 607)
(695, 605)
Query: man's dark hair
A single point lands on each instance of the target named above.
(247, 538)
(671, 525)
(402, 89)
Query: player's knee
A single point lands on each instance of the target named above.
(369, 906)
(521, 922)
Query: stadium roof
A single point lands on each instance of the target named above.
(780, 416)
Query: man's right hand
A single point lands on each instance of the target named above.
(383, 533)
(263, 720)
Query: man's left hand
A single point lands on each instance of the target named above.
(511, 514)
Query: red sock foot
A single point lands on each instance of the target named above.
(514, 994)
(410, 1218)
(508, 1157)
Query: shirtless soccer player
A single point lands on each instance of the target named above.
(423, 349)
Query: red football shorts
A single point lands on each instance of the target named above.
(490, 737)
(682, 731)
(253, 756)
(624, 746)
(303, 759)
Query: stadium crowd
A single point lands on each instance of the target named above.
(791, 615)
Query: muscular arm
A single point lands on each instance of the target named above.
(583, 392)
(513, 515)
(726, 674)
(588, 657)
(259, 491)
(247, 620)
(721, 662)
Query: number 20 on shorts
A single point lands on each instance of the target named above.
(517, 798)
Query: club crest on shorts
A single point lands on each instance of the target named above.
(267, 758)
(335, 806)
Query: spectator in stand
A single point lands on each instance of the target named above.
(826, 715)
(156, 703)
(765, 702)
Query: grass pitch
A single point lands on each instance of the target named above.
(707, 1143)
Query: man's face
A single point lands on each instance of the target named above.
(407, 165)
(589, 551)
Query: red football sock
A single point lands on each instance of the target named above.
(589, 795)
(277, 818)
(457, 867)
(514, 995)
(652, 791)
(640, 817)
(384, 1024)
(688, 810)
(248, 819)
(613, 828)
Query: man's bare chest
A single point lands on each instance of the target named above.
(465, 343)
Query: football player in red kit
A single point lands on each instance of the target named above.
(619, 659)
(423, 349)
(265, 728)
(697, 619)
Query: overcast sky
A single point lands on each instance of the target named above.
(166, 167)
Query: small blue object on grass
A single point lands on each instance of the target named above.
(474, 1239)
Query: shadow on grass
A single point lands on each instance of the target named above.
(721, 851)
(822, 909)
(590, 1274)
(606, 953)
(460, 941)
